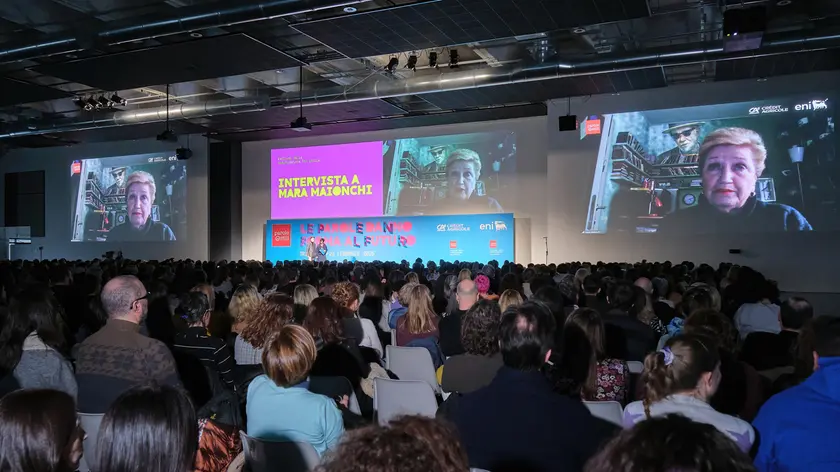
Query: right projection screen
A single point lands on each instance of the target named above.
(737, 167)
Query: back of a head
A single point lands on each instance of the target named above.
(623, 296)
(193, 307)
(323, 320)
(289, 355)
(148, 429)
(671, 443)
(207, 290)
(304, 294)
(36, 309)
(553, 298)
(36, 430)
(713, 324)
(480, 328)
(697, 297)
(795, 312)
(526, 336)
(591, 284)
(679, 366)
(421, 313)
(273, 312)
(119, 293)
(244, 302)
(403, 291)
(826, 335)
(408, 443)
(346, 293)
(509, 298)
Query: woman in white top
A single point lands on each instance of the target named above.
(681, 378)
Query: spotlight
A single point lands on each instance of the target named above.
(103, 102)
(91, 103)
(117, 100)
(453, 59)
(433, 60)
(412, 63)
(392, 65)
(79, 102)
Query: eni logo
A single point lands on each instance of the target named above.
(813, 105)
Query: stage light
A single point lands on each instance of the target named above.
(90, 104)
(433, 60)
(412, 63)
(103, 102)
(453, 58)
(117, 100)
(392, 65)
(79, 102)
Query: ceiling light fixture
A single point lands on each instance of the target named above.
(392, 65)
(91, 103)
(79, 102)
(117, 100)
(412, 62)
(103, 102)
(433, 60)
(196, 34)
(453, 58)
(349, 9)
(762, 79)
(783, 3)
(579, 30)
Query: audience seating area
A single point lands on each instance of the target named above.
(295, 366)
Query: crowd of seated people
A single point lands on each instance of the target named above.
(176, 358)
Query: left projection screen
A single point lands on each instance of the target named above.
(138, 198)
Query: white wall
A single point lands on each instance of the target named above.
(55, 161)
(529, 204)
(800, 262)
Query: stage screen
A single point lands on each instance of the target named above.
(737, 167)
(450, 237)
(442, 175)
(129, 198)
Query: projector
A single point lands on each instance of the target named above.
(301, 125)
(168, 136)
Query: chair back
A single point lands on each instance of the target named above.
(635, 367)
(412, 363)
(607, 411)
(90, 423)
(393, 398)
(269, 456)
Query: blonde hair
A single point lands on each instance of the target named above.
(243, 302)
(735, 137)
(402, 295)
(420, 315)
(412, 277)
(304, 294)
(465, 155)
(142, 177)
(465, 274)
(509, 298)
(289, 355)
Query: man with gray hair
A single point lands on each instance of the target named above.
(118, 357)
(450, 327)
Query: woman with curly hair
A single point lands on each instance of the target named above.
(243, 303)
(464, 373)
(407, 443)
(273, 312)
(348, 296)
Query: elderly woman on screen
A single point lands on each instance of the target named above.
(463, 171)
(140, 192)
(731, 161)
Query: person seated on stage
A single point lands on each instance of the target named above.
(140, 193)
(463, 171)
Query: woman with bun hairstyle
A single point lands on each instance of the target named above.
(681, 378)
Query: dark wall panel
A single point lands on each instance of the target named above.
(24, 201)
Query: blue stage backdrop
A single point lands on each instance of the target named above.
(465, 237)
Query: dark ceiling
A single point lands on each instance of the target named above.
(55, 51)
